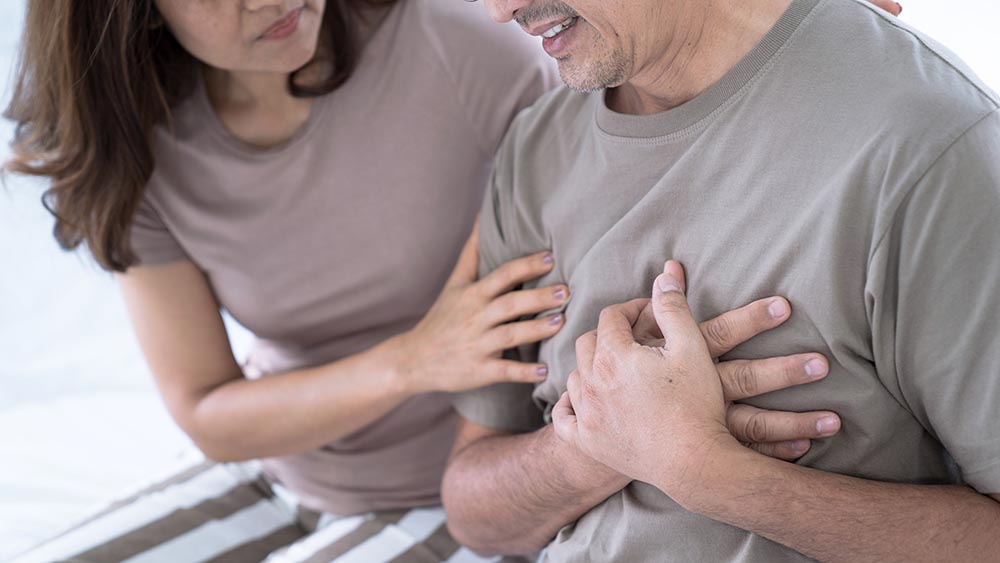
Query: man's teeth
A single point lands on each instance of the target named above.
(559, 28)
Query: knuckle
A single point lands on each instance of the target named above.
(756, 428)
(475, 293)
(510, 372)
(526, 268)
(502, 307)
(673, 303)
(604, 363)
(793, 372)
(539, 329)
(585, 341)
(783, 451)
(508, 277)
(517, 373)
(806, 427)
(744, 380)
(526, 374)
(498, 373)
(721, 332)
(572, 383)
(507, 338)
(542, 299)
(589, 425)
(528, 303)
(608, 312)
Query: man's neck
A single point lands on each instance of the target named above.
(706, 43)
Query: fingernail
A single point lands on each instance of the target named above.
(900, 6)
(543, 371)
(555, 319)
(560, 294)
(815, 369)
(548, 259)
(667, 283)
(777, 309)
(827, 425)
(800, 445)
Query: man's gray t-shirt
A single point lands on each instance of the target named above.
(849, 164)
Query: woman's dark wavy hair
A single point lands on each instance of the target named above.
(94, 78)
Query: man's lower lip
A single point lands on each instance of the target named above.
(285, 28)
(557, 46)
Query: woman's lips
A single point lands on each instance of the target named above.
(284, 27)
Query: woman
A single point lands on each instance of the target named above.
(311, 167)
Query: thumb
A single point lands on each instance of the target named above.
(670, 306)
(467, 268)
(564, 420)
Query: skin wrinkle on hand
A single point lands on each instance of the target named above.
(502, 459)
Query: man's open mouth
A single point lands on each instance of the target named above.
(560, 27)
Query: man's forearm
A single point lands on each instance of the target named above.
(834, 518)
(510, 494)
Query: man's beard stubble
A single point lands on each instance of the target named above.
(606, 69)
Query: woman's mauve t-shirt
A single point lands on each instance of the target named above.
(344, 235)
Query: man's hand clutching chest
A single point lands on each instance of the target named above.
(652, 408)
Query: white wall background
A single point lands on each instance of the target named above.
(79, 418)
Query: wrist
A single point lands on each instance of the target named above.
(581, 471)
(716, 471)
(392, 359)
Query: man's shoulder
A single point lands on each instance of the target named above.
(853, 76)
(897, 64)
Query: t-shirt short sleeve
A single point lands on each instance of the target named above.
(504, 406)
(151, 240)
(934, 283)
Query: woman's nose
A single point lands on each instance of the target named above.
(257, 5)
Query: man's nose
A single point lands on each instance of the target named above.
(502, 11)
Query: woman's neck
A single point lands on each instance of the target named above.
(256, 107)
(225, 87)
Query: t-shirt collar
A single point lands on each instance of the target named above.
(702, 106)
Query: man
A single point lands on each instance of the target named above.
(817, 149)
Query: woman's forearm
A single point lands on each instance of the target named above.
(455, 347)
(296, 411)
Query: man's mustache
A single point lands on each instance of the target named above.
(543, 11)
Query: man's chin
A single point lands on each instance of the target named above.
(589, 76)
(577, 78)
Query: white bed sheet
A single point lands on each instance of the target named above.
(80, 422)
